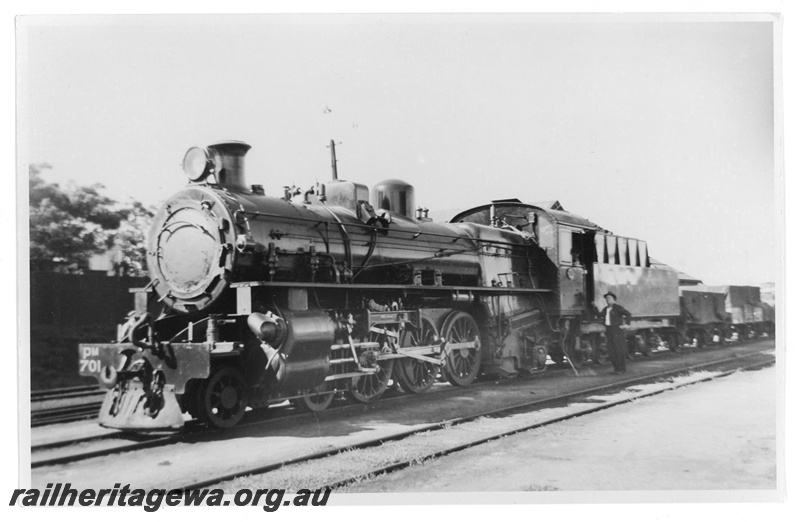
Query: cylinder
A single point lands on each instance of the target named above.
(305, 351)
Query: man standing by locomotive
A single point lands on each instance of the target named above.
(614, 317)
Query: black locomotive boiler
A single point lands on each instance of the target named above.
(256, 299)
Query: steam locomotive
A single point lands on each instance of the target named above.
(256, 300)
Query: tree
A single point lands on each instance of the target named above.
(69, 225)
(130, 240)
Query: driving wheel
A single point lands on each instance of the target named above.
(462, 364)
(415, 375)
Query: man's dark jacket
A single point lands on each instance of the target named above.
(617, 313)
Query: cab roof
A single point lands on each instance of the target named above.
(551, 208)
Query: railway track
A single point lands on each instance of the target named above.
(82, 411)
(196, 432)
(402, 464)
(65, 404)
(66, 393)
(725, 367)
(69, 413)
(74, 451)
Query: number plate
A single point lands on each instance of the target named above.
(90, 362)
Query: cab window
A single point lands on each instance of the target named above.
(565, 246)
(571, 248)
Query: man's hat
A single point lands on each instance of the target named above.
(612, 294)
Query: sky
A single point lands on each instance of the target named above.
(659, 128)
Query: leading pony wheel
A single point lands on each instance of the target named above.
(462, 364)
(316, 399)
(221, 398)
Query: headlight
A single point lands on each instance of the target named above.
(197, 164)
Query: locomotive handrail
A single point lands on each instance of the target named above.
(361, 286)
(318, 222)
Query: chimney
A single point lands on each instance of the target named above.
(229, 157)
